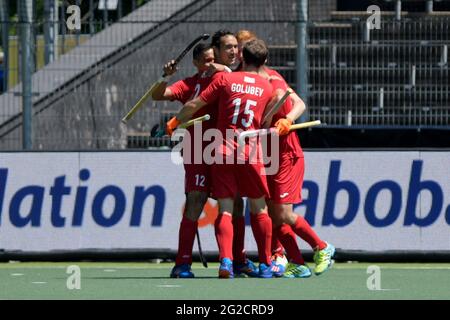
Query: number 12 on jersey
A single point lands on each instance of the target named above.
(247, 111)
(200, 180)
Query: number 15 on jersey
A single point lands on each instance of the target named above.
(246, 123)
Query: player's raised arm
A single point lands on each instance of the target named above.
(298, 107)
(161, 92)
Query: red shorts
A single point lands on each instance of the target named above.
(197, 177)
(247, 180)
(286, 185)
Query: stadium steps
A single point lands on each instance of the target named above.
(381, 76)
(396, 54)
(348, 75)
(392, 97)
(431, 30)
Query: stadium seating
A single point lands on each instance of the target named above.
(397, 75)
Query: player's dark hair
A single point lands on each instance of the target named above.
(255, 52)
(199, 49)
(215, 40)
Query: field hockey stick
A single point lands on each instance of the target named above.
(200, 251)
(191, 122)
(159, 132)
(262, 132)
(156, 84)
(277, 105)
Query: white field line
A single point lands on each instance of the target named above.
(393, 267)
(168, 286)
(106, 268)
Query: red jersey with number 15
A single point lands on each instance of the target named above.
(242, 98)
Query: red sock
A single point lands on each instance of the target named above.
(277, 247)
(224, 235)
(288, 239)
(186, 237)
(262, 231)
(304, 231)
(239, 239)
